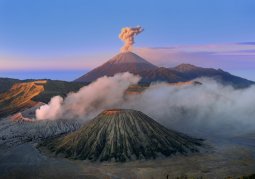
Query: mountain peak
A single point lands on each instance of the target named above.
(127, 57)
(122, 62)
(185, 67)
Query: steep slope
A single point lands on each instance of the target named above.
(123, 62)
(19, 97)
(28, 93)
(190, 72)
(122, 135)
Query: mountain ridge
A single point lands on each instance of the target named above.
(131, 62)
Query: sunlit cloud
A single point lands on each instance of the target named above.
(229, 56)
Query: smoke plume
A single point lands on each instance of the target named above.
(207, 109)
(106, 92)
(127, 35)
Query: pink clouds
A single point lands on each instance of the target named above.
(232, 57)
(226, 56)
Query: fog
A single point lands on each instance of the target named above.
(106, 92)
(208, 109)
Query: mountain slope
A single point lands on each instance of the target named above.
(19, 97)
(132, 63)
(161, 74)
(55, 88)
(6, 84)
(123, 62)
(190, 72)
(27, 93)
(122, 135)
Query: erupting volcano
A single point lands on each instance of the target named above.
(122, 62)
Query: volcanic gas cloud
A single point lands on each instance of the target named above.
(127, 36)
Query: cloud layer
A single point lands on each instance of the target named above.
(208, 109)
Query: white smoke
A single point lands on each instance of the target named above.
(89, 100)
(51, 110)
(210, 108)
(127, 35)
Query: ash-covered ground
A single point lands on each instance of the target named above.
(223, 160)
(21, 158)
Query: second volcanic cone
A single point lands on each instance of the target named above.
(123, 135)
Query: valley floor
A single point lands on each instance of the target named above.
(227, 158)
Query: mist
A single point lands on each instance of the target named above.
(106, 92)
(207, 109)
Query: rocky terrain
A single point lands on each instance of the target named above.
(28, 93)
(123, 135)
(22, 127)
(20, 97)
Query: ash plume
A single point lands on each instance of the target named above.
(127, 35)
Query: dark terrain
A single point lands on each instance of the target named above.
(123, 135)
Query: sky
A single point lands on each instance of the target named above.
(62, 39)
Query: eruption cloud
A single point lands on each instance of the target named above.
(127, 35)
(207, 109)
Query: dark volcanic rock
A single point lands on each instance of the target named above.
(122, 135)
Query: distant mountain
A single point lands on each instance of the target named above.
(190, 72)
(130, 62)
(123, 135)
(161, 74)
(123, 62)
(6, 83)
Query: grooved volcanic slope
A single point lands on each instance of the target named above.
(122, 135)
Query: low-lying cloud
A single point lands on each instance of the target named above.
(89, 100)
(210, 108)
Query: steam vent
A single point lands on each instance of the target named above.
(122, 135)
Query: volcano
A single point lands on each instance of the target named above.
(130, 62)
(122, 135)
(123, 62)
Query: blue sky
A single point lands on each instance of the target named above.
(80, 34)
